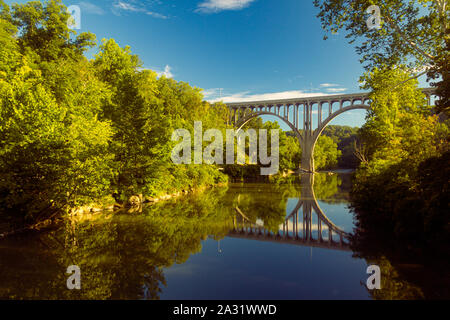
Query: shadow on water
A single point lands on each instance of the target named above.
(134, 255)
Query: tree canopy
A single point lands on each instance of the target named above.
(75, 131)
(412, 33)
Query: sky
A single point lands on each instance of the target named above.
(233, 49)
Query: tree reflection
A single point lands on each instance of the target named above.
(265, 203)
(393, 285)
(121, 256)
(404, 276)
(124, 255)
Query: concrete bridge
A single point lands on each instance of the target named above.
(299, 114)
(298, 228)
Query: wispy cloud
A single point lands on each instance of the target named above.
(213, 6)
(328, 85)
(156, 15)
(333, 88)
(124, 6)
(167, 72)
(246, 96)
(336, 90)
(91, 8)
(119, 5)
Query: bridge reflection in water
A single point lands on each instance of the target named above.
(298, 227)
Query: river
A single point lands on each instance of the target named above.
(281, 240)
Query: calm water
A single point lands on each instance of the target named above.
(244, 241)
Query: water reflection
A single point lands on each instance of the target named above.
(121, 256)
(298, 227)
(253, 236)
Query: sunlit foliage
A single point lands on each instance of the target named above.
(400, 191)
(73, 131)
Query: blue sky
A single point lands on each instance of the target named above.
(234, 49)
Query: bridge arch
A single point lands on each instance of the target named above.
(257, 114)
(307, 145)
(318, 132)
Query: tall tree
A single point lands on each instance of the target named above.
(53, 148)
(415, 33)
(44, 30)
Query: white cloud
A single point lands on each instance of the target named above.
(126, 6)
(332, 88)
(246, 97)
(167, 72)
(91, 8)
(328, 85)
(211, 6)
(156, 15)
(336, 90)
(119, 6)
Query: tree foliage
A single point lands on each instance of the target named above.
(407, 149)
(73, 130)
(326, 153)
(53, 151)
(413, 33)
(345, 137)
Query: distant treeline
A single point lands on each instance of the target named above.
(346, 138)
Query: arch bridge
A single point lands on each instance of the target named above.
(307, 117)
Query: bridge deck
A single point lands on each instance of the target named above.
(291, 101)
(312, 99)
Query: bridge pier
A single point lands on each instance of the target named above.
(307, 161)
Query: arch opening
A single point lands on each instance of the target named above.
(306, 140)
(310, 144)
(247, 119)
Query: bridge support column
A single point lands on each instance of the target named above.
(307, 162)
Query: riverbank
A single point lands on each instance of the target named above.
(87, 212)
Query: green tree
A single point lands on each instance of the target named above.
(44, 31)
(131, 108)
(326, 153)
(399, 124)
(291, 154)
(345, 137)
(415, 33)
(404, 144)
(53, 153)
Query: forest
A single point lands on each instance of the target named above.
(76, 131)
